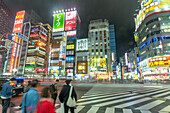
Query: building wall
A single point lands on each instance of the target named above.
(6, 18)
(100, 44)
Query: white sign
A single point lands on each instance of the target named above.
(23, 37)
(82, 44)
(71, 33)
(8, 44)
(113, 56)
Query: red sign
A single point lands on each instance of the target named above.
(71, 33)
(13, 54)
(159, 61)
(70, 22)
(18, 21)
(41, 70)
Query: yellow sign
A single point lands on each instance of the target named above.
(159, 61)
(70, 46)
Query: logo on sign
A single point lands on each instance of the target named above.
(146, 2)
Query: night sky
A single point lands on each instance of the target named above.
(118, 12)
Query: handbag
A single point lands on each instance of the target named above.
(71, 102)
(62, 108)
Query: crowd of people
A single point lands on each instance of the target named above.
(44, 101)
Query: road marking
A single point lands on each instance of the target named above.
(127, 111)
(110, 110)
(129, 98)
(144, 111)
(150, 105)
(79, 108)
(162, 94)
(166, 109)
(132, 103)
(93, 109)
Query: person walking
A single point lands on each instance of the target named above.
(66, 92)
(46, 103)
(31, 98)
(6, 94)
(55, 89)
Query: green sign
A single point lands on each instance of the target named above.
(58, 22)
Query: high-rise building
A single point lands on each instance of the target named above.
(38, 50)
(152, 34)
(113, 47)
(66, 29)
(82, 58)
(16, 64)
(100, 53)
(7, 19)
(6, 25)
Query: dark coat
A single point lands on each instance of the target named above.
(64, 94)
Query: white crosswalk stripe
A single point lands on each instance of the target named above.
(126, 99)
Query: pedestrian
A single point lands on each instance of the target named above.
(6, 94)
(27, 88)
(46, 103)
(55, 89)
(31, 98)
(66, 92)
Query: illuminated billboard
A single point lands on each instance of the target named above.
(159, 61)
(150, 7)
(58, 22)
(70, 46)
(82, 44)
(71, 33)
(70, 21)
(14, 50)
(18, 21)
(100, 62)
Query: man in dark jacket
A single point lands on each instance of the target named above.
(55, 88)
(7, 94)
(64, 94)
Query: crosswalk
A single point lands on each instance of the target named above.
(124, 100)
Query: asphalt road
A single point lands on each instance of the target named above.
(118, 98)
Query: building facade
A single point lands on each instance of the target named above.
(113, 47)
(38, 50)
(66, 30)
(100, 53)
(7, 19)
(152, 35)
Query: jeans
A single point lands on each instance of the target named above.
(66, 108)
(5, 105)
(54, 97)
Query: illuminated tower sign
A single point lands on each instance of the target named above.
(58, 22)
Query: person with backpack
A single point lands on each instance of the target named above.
(31, 98)
(6, 94)
(55, 89)
(68, 97)
(46, 103)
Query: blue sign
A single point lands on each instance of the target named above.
(9, 36)
(60, 67)
(71, 38)
(23, 37)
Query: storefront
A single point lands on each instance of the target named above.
(156, 68)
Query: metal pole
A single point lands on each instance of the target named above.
(26, 46)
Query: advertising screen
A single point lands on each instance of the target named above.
(150, 7)
(82, 44)
(18, 21)
(101, 62)
(159, 61)
(71, 33)
(70, 21)
(69, 59)
(14, 50)
(58, 22)
(70, 46)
